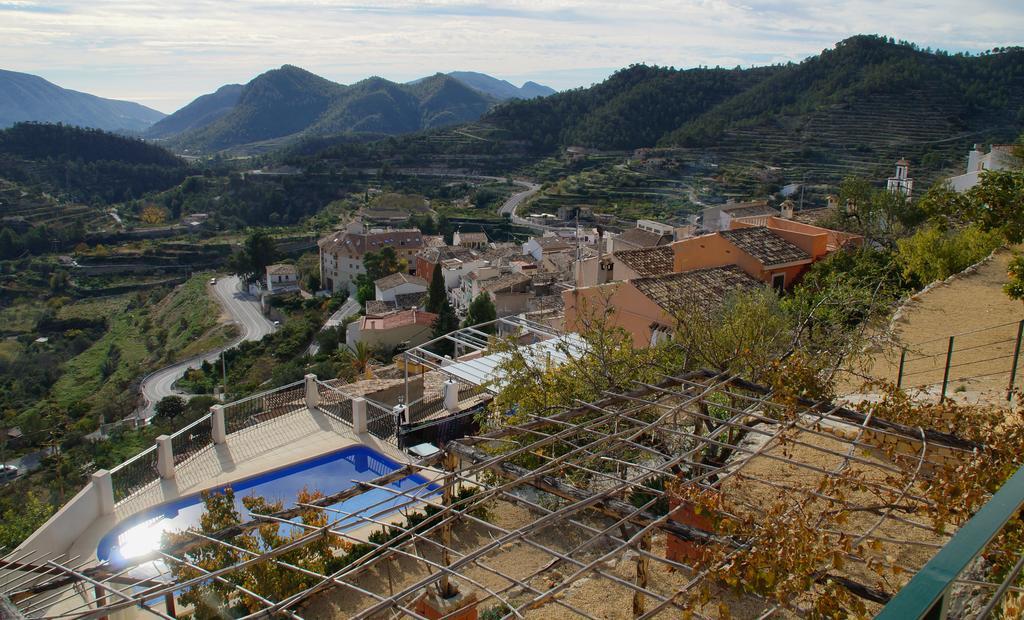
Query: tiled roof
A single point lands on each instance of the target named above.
(644, 238)
(704, 287)
(647, 262)
(446, 252)
(376, 306)
(554, 243)
(765, 245)
(399, 319)
(410, 300)
(358, 244)
(281, 270)
(397, 279)
(473, 237)
(505, 281)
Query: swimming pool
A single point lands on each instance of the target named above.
(330, 473)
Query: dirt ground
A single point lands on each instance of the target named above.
(984, 323)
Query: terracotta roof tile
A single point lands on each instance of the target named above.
(644, 238)
(647, 262)
(765, 245)
(705, 287)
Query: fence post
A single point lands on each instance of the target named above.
(899, 374)
(359, 415)
(217, 427)
(312, 394)
(945, 373)
(1016, 356)
(105, 487)
(164, 457)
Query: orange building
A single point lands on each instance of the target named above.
(645, 307)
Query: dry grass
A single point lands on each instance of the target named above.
(981, 360)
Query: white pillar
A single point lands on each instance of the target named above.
(312, 394)
(164, 457)
(217, 428)
(359, 415)
(451, 396)
(105, 487)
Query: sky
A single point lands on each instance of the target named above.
(164, 54)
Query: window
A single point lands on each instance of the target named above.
(779, 282)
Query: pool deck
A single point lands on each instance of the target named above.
(274, 444)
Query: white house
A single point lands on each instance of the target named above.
(999, 157)
(389, 287)
(282, 278)
(342, 252)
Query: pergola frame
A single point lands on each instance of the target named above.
(670, 424)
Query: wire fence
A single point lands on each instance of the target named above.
(986, 358)
(265, 406)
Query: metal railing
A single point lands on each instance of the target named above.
(134, 474)
(382, 423)
(335, 402)
(987, 356)
(265, 406)
(939, 591)
(192, 439)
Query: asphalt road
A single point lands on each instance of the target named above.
(244, 310)
(351, 307)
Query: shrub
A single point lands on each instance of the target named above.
(932, 254)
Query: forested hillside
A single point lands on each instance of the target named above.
(863, 75)
(634, 107)
(86, 165)
(289, 103)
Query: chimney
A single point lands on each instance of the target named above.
(787, 209)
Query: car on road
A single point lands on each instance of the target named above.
(277, 323)
(8, 472)
(213, 281)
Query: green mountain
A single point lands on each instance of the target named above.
(199, 113)
(865, 93)
(85, 165)
(289, 103)
(25, 97)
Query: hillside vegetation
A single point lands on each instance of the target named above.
(87, 165)
(290, 102)
(644, 106)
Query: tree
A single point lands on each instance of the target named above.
(381, 264)
(258, 251)
(445, 323)
(328, 339)
(481, 310)
(437, 292)
(20, 521)
(169, 407)
(153, 215)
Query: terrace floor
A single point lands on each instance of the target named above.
(271, 445)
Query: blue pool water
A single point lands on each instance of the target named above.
(330, 473)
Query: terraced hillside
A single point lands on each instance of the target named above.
(853, 110)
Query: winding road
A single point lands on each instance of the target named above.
(244, 310)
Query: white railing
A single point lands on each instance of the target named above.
(159, 460)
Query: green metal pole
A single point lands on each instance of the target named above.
(1016, 356)
(945, 373)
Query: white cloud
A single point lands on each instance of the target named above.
(166, 53)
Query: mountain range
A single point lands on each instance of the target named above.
(290, 102)
(26, 97)
(277, 105)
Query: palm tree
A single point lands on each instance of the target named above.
(361, 360)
